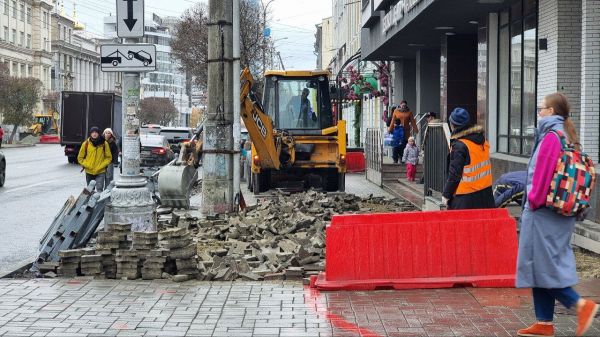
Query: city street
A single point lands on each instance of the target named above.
(38, 182)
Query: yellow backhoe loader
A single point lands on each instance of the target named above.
(44, 124)
(297, 143)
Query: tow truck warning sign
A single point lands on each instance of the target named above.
(128, 57)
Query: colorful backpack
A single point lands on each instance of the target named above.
(573, 180)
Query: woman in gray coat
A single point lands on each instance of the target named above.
(546, 262)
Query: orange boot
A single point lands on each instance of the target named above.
(537, 330)
(585, 316)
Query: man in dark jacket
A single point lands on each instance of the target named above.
(469, 182)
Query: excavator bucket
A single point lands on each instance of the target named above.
(175, 184)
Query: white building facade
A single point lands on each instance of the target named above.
(25, 31)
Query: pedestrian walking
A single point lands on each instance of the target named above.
(94, 156)
(411, 158)
(1, 135)
(546, 262)
(469, 182)
(397, 141)
(109, 137)
(407, 120)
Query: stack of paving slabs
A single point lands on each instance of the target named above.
(91, 265)
(69, 262)
(181, 249)
(115, 236)
(144, 242)
(154, 264)
(128, 264)
(283, 237)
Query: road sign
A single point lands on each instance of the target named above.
(130, 18)
(128, 57)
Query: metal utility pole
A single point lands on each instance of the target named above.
(218, 151)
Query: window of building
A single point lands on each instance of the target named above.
(23, 71)
(45, 19)
(517, 78)
(22, 11)
(30, 71)
(70, 34)
(29, 15)
(21, 39)
(6, 10)
(15, 69)
(5, 34)
(28, 41)
(14, 7)
(64, 33)
(14, 36)
(45, 45)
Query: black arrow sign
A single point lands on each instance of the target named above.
(130, 21)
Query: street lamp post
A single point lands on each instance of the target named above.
(264, 53)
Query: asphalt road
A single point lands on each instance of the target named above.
(38, 182)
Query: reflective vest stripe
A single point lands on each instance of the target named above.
(471, 169)
(477, 175)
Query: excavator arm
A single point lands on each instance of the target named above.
(266, 141)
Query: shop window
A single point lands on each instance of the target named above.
(517, 78)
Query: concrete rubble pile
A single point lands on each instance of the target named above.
(281, 238)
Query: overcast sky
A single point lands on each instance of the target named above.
(292, 23)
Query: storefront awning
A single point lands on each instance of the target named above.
(424, 26)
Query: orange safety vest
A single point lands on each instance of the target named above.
(476, 176)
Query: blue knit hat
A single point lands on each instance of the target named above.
(460, 117)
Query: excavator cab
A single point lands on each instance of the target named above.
(309, 143)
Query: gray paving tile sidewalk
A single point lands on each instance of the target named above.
(85, 307)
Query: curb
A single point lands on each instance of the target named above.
(15, 146)
(17, 267)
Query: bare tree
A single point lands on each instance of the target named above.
(18, 99)
(157, 110)
(190, 42)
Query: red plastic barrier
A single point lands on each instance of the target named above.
(420, 250)
(49, 139)
(355, 162)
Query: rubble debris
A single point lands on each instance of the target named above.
(280, 238)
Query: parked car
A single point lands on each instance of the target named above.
(176, 136)
(155, 151)
(152, 129)
(2, 169)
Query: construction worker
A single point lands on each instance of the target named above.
(469, 183)
(94, 156)
(1, 135)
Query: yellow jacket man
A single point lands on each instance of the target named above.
(95, 156)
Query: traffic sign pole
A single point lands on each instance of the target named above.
(131, 200)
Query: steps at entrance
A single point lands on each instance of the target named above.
(393, 172)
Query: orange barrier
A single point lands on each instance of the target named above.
(410, 250)
(49, 139)
(355, 162)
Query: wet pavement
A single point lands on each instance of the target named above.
(84, 307)
(38, 182)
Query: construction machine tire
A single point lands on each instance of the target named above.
(261, 182)
(342, 182)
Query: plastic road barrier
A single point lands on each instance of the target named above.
(411, 250)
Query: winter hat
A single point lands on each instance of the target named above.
(411, 138)
(109, 130)
(460, 117)
(94, 128)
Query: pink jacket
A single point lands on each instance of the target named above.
(548, 154)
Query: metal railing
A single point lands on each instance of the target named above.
(436, 148)
(374, 155)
